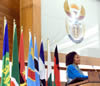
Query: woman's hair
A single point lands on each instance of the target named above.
(70, 58)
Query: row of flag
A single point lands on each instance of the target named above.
(35, 67)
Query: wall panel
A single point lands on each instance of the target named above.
(30, 18)
(10, 9)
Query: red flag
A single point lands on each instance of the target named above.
(21, 61)
(56, 69)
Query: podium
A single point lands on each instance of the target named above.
(93, 80)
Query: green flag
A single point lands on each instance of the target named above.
(5, 79)
(15, 79)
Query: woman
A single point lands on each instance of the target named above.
(73, 71)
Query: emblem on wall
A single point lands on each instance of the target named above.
(74, 22)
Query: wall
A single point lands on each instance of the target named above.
(54, 20)
(26, 13)
(30, 19)
(10, 9)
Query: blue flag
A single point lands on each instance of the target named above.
(5, 79)
(31, 80)
(36, 60)
(42, 66)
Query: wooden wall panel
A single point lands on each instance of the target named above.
(10, 9)
(26, 21)
(27, 24)
(30, 18)
(37, 22)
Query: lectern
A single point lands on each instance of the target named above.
(93, 80)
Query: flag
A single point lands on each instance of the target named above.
(21, 61)
(36, 60)
(31, 66)
(56, 69)
(49, 68)
(5, 79)
(15, 79)
(42, 66)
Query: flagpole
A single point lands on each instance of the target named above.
(47, 65)
(29, 35)
(14, 22)
(21, 29)
(13, 35)
(34, 39)
(4, 24)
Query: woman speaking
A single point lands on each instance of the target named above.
(73, 71)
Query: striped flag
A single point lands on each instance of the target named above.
(5, 79)
(31, 80)
(15, 79)
(36, 60)
(56, 69)
(21, 61)
(42, 66)
(49, 69)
